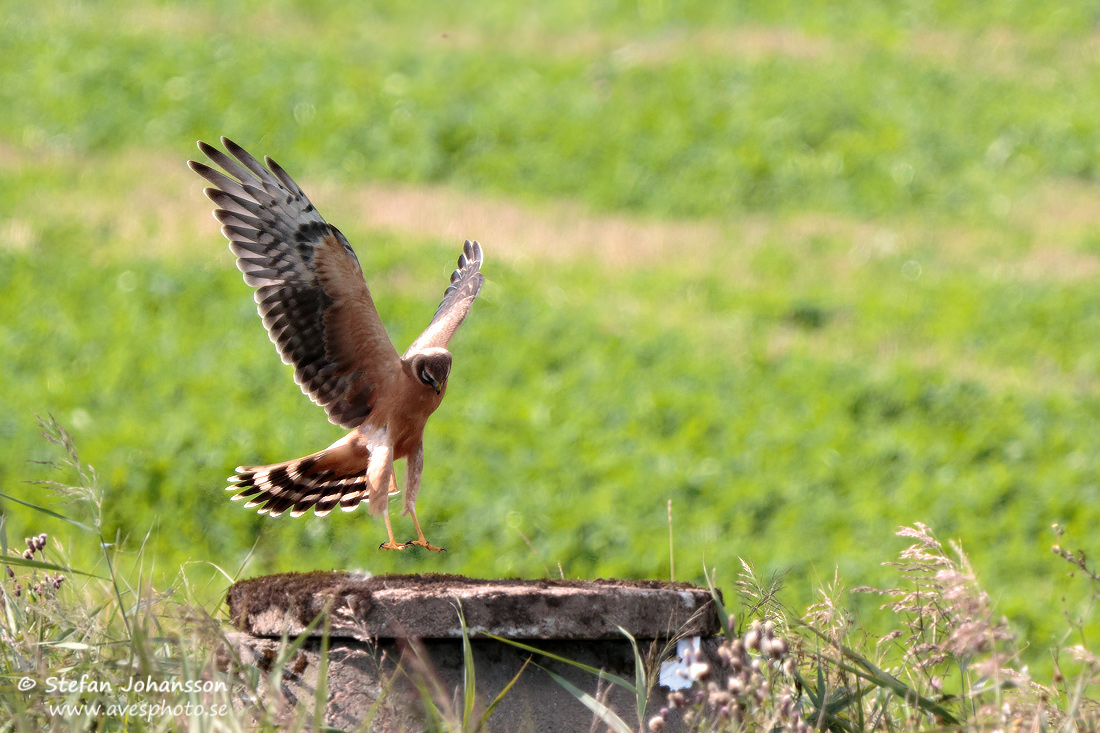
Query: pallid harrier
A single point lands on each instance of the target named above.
(318, 312)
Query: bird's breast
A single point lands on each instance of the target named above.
(400, 425)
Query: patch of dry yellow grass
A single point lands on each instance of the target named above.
(151, 205)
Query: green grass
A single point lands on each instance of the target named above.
(641, 121)
(949, 658)
(896, 320)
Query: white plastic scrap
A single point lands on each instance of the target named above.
(677, 674)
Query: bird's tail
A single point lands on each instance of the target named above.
(336, 475)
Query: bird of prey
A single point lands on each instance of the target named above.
(318, 312)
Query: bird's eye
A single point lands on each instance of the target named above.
(425, 377)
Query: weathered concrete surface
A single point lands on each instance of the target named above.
(392, 637)
(425, 606)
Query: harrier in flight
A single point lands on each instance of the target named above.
(318, 312)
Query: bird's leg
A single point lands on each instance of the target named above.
(379, 478)
(414, 467)
(420, 541)
(391, 543)
(412, 488)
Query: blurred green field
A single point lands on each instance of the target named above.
(809, 273)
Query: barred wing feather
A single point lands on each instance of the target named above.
(310, 290)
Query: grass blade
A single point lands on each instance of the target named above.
(469, 683)
(288, 651)
(883, 679)
(604, 713)
(22, 561)
(612, 678)
(320, 694)
(50, 513)
(500, 696)
(73, 645)
(435, 699)
(723, 617)
(641, 683)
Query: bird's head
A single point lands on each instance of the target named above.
(431, 367)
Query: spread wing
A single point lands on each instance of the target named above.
(310, 292)
(465, 285)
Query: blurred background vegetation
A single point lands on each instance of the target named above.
(810, 271)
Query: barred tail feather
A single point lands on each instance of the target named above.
(334, 476)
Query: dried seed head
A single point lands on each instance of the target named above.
(656, 723)
(699, 671)
(11, 573)
(28, 554)
(31, 542)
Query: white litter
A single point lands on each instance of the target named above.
(677, 674)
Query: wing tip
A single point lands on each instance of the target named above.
(207, 149)
(471, 254)
(469, 261)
